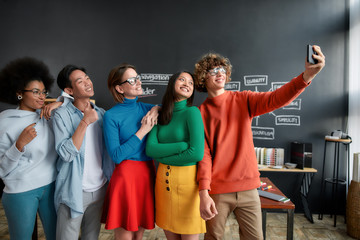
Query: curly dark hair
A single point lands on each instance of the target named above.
(207, 62)
(17, 74)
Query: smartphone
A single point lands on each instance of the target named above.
(310, 51)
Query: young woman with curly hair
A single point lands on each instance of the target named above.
(27, 149)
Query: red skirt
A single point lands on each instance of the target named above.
(129, 200)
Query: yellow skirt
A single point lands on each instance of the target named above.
(177, 201)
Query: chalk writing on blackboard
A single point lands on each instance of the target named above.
(287, 120)
(255, 80)
(265, 133)
(268, 133)
(232, 86)
(154, 83)
(294, 105)
(148, 92)
(155, 78)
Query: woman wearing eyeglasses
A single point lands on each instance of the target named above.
(129, 201)
(27, 151)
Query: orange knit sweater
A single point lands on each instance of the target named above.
(229, 163)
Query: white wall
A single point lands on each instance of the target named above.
(354, 78)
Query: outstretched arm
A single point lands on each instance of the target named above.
(263, 102)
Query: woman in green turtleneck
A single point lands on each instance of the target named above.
(177, 143)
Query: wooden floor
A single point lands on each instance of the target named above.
(276, 229)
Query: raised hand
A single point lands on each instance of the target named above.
(147, 124)
(26, 136)
(90, 115)
(152, 115)
(311, 70)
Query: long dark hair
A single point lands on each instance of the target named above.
(170, 98)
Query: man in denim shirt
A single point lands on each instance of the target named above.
(84, 166)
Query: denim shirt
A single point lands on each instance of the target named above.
(70, 165)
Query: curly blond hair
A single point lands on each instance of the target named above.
(207, 62)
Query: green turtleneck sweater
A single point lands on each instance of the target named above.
(186, 126)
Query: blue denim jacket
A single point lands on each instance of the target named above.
(70, 165)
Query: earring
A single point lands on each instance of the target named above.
(19, 97)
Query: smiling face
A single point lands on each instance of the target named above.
(184, 86)
(128, 90)
(31, 101)
(81, 85)
(215, 79)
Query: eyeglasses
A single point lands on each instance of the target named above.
(37, 92)
(215, 71)
(132, 80)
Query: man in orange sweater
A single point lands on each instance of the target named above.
(228, 174)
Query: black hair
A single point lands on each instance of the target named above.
(63, 80)
(170, 98)
(17, 74)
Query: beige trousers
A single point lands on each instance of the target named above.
(247, 209)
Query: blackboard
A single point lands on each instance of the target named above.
(264, 40)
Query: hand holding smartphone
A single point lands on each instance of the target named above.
(310, 51)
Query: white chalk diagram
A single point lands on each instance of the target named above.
(150, 80)
(268, 133)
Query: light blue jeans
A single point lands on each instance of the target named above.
(21, 208)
